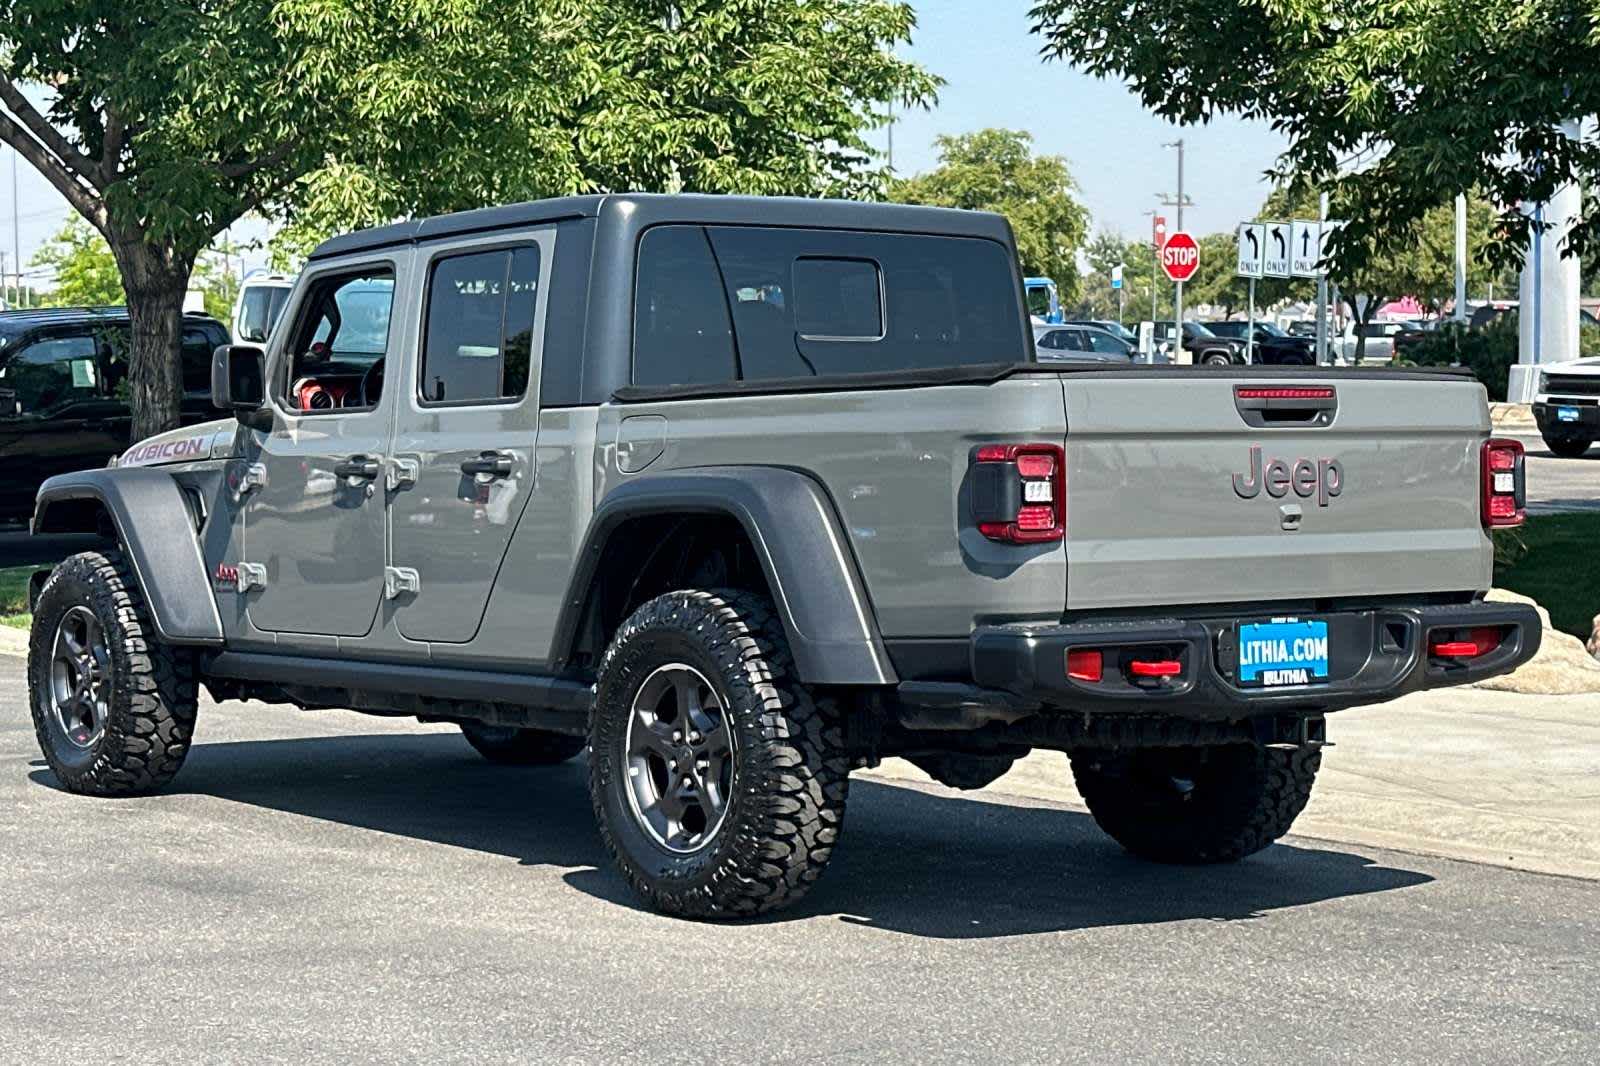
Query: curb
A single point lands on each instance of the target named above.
(1511, 415)
(14, 642)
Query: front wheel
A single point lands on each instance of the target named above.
(718, 780)
(113, 707)
(1217, 359)
(1205, 804)
(1568, 447)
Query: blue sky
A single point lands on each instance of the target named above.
(995, 77)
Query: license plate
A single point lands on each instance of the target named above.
(1566, 414)
(1284, 651)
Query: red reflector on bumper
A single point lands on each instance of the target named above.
(1467, 645)
(1085, 664)
(1157, 668)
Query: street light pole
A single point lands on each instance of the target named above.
(1323, 354)
(1461, 257)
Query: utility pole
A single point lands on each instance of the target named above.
(1461, 257)
(16, 231)
(1323, 355)
(1180, 354)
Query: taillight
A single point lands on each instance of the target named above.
(1504, 486)
(1018, 492)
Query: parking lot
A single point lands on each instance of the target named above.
(327, 887)
(1556, 484)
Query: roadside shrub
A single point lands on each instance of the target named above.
(1487, 350)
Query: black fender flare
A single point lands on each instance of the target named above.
(156, 530)
(810, 568)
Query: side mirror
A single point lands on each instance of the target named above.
(238, 381)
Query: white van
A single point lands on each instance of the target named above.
(262, 295)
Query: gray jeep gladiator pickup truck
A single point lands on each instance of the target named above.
(737, 495)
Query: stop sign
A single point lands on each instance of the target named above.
(1180, 256)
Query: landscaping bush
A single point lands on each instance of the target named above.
(1487, 350)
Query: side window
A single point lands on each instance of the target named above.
(339, 342)
(479, 336)
(198, 345)
(1104, 342)
(51, 374)
(838, 299)
(1051, 340)
(681, 331)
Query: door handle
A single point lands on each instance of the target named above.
(489, 464)
(364, 467)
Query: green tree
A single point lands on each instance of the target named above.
(85, 271)
(1448, 95)
(1137, 259)
(996, 170)
(166, 120)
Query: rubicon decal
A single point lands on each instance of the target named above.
(1322, 478)
(167, 451)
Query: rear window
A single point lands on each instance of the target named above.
(725, 303)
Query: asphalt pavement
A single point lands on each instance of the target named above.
(329, 887)
(1556, 484)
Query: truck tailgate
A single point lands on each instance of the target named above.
(1155, 516)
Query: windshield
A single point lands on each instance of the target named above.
(1271, 328)
(1195, 329)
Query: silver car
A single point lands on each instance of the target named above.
(1079, 344)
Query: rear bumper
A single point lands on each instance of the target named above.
(1546, 414)
(1376, 655)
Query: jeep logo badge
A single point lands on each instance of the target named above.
(1322, 477)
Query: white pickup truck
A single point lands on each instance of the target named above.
(1567, 407)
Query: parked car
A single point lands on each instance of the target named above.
(259, 305)
(1380, 339)
(1272, 345)
(1303, 327)
(1204, 346)
(1080, 344)
(63, 392)
(736, 496)
(1116, 329)
(1567, 407)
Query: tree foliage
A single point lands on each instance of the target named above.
(1447, 95)
(1098, 299)
(167, 120)
(86, 273)
(996, 170)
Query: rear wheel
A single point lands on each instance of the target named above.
(1214, 803)
(113, 707)
(509, 746)
(718, 780)
(1568, 447)
(1217, 359)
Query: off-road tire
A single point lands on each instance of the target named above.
(153, 691)
(1568, 447)
(509, 746)
(1243, 797)
(790, 771)
(1216, 359)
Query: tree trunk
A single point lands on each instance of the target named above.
(155, 280)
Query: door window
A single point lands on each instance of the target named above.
(340, 340)
(51, 374)
(1105, 342)
(479, 336)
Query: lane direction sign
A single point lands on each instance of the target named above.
(1305, 248)
(1275, 264)
(1252, 249)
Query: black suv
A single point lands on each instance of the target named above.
(63, 392)
(1273, 345)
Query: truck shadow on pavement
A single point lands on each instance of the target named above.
(911, 860)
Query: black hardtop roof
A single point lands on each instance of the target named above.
(648, 209)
